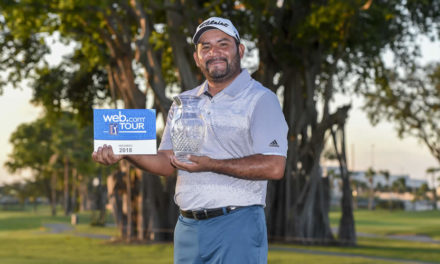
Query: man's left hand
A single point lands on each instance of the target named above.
(198, 163)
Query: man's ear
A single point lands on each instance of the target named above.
(196, 58)
(241, 49)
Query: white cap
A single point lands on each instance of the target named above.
(222, 24)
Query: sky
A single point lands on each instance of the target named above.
(378, 147)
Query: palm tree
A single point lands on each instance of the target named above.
(433, 171)
(386, 174)
(399, 186)
(370, 176)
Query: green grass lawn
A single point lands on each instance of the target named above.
(383, 222)
(385, 248)
(23, 239)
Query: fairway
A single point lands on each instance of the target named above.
(385, 223)
(25, 239)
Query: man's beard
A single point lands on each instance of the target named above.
(228, 72)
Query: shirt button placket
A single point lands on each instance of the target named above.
(209, 110)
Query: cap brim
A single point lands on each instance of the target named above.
(200, 32)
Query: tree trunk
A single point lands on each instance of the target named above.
(130, 227)
(99, 219)
(390, 201)
(371, 197)
(148, 57)
(160, 209)
(83, 194)
(142, 212)
(53, 200)
(74, 191)
(182, 55)
(346, 231)
(275, 213)
(115, 185)
(134, 209)
(66, 187)
(282, 194)
(312, 223)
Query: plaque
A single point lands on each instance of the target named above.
(128, 131)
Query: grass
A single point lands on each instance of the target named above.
(23, 239)
(384, 248)
(24, 247)
(384, 222)
(280, 257)
(15, 221)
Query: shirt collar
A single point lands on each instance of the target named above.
(234, 88)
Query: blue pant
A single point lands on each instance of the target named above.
(237, 237)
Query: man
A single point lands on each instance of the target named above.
(222, 192)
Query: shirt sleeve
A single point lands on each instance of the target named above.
(166, 143)
(269, 127)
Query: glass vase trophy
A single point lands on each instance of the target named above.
(187, 127)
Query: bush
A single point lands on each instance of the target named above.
(385, 204)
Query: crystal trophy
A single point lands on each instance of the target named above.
(187, 127)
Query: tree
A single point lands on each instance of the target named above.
(111, 36)
(412, 102)
(386, 174)
(421, 192)
(307, 49)
(399, 185)
(44, 146)
(433, 171)
(27, 191)
(369, 174)
(31, 150)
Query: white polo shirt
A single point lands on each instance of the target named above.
(243, 119)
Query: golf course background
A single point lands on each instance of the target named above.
(383, 237)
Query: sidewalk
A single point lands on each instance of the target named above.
(58, 228)
(413, 238)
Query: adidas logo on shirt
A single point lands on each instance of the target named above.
(274, 144)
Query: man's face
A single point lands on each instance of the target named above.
(217, 56)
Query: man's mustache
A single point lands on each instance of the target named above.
(215, 60)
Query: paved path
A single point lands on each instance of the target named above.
(417, 238)
(58, 228)
(414, 238)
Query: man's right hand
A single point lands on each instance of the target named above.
(158, 164)
(105, 155)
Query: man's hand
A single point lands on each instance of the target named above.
(105, 155)
(199, 163)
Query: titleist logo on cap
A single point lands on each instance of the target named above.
(219, 23)
(213, 22)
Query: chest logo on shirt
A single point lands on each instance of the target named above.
(274, 144)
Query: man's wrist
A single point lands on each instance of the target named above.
(212, 164)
